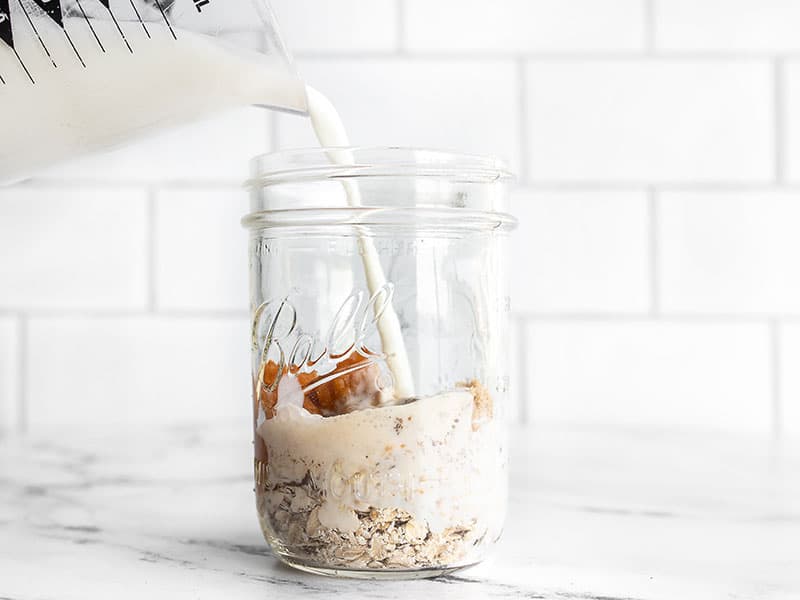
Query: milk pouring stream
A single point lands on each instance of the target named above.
(78, 76)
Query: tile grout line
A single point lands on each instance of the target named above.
(524, 410)
(779, 118)
(541, 185)
(654, 246)
(775, 378)
(68, 314)
(22, 374)
(538, 317)
(151, 245)
(555, 55)
(522, 98)
(128, 184)
(664, 317)
(661, 186)
(650, 27)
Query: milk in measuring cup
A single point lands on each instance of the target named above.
(73, 85)
(68, 91)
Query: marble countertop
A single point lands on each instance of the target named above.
(594, 515)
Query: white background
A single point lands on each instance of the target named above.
(655, 270)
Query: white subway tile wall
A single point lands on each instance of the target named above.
(200, 251)
(73, 248)
(468, 105)
(476, 26)
(661, 373)
(655, 121)
(788, 412)
(341, 26)
(658, 148)
(583, 251)
(142, 369)
(730, 252)
(727, 25)
(788, 119)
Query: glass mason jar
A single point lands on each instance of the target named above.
(380, 358)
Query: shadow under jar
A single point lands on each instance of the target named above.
(380, 358)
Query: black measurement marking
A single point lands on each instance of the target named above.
(166, 20)
(52, 9)
(78, 54)
(6, 33)
(199, 4)
(3, 81)
(138, 16)
(89, 23)
(36, 31)
(107, 4)
(28, 73)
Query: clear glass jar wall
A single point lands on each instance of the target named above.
(380, 358)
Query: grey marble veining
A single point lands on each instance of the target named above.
(600, 515)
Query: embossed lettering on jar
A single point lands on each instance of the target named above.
(380, 358)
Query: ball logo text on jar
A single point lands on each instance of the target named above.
(276, 336)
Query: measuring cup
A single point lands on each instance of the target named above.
(78, 76)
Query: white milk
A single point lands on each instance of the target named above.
(119, 95)
(436, 448)
(331, 133)
(96, 87)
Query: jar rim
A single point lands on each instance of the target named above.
(321, 163)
